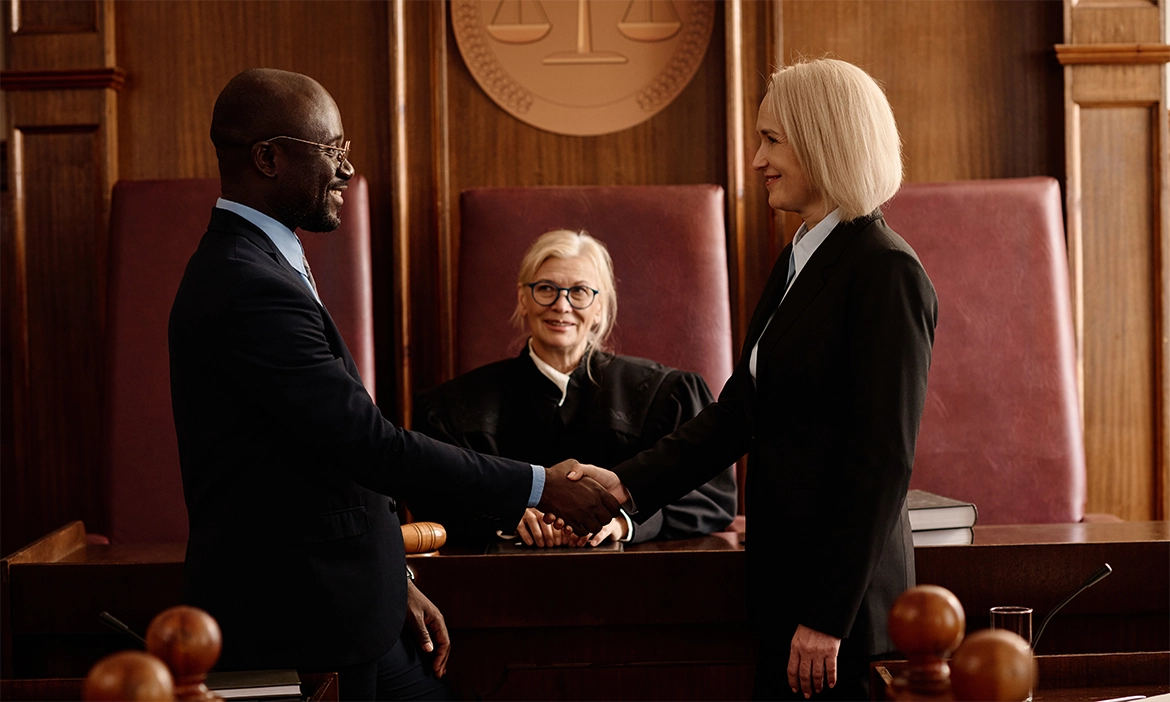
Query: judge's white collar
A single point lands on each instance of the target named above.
(561, 380)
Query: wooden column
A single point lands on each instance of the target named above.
(1114, 59)
(60, 84)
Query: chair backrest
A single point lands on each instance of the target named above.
(669, 252)
(155, 226)
(1002, 426)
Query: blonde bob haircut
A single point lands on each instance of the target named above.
(563, 243)
(840, 124)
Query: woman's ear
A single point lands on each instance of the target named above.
(523, 308)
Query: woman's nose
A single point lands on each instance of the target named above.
(561, 304)
(759, 162)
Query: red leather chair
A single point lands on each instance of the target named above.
(155, 226)
(1002, 426)
(669, 253)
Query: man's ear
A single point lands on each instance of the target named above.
(264, 158)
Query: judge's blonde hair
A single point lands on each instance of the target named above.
(842, 127)
(564, 243)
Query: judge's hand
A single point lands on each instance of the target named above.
(426, 621)
(581, 505)
(534, 532)
(607, 478)
(812, 661)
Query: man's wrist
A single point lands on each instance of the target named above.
(537, 490)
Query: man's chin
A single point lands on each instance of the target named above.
(322, 225)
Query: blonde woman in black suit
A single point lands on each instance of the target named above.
(827, 396)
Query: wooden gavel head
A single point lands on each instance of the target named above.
(129, 675)
(993, 665)
(188, 640)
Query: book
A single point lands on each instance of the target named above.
(255, 684)
(929, 511)
(944, 537)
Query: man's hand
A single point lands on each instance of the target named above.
(812, 661)
(607, 478)
(426, 621)
(581, 505)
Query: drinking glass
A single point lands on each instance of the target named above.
(1017, 620)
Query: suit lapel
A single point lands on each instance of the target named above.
(231, 223)
(811, 281)
(773, 291)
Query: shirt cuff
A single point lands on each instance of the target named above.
(537, 485)
(629, 527)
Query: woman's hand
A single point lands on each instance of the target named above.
(812, 661)
(616, 528)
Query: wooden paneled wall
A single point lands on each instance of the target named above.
(60, 86)
(1115, 60)
(975, 85)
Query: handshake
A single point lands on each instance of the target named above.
(581, 499)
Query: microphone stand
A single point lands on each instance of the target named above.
(1095, 578)
(116, 624)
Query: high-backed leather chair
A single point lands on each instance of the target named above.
(669, 252)
(155, 226)
(1002, 426)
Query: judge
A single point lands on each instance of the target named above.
(564, 395)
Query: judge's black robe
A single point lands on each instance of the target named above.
(510, 409)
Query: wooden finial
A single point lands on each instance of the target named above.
(188, 640)
(926, 623)
(993, 665)
(129, 675)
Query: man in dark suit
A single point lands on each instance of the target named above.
(287, 463)
(826, 398)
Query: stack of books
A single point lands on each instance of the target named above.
(940, 521)
(267, 685)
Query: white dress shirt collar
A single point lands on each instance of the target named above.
(561, 380)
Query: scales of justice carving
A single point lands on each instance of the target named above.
(630, 25)
(582, 67)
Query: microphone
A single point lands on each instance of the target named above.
(116, 624)
(1095, 578)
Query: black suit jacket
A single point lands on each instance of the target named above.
(509, 408)
(830, 424)
(287, 464)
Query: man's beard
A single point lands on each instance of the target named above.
(315, 215)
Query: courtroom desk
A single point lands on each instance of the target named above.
(52, 591)
(663, 620)
(315, 687)
(1078, 677)
(671, 613)
(1037, 565)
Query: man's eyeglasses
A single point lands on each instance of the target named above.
(340, 153)
(546, 294)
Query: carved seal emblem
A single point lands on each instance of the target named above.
(582, 67)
